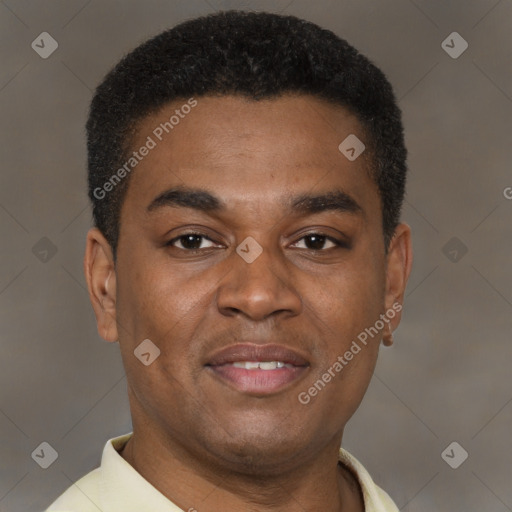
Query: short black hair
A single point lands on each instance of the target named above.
(258, 55)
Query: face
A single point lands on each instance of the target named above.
(251, 254)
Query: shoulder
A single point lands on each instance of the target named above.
(82, 496)
(375, 498)
(388, 505)
(85, 495)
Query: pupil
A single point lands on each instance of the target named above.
(187, 239)
(318, 241)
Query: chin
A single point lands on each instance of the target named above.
(252, 452)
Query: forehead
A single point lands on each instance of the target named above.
(249, 152)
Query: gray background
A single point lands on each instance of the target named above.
(447, 378)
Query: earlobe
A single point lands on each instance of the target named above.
(100, 275)
(387, 337)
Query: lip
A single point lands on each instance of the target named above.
(257, 382)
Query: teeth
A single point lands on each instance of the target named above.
(272, 365)
(247, 365)
(261, 365)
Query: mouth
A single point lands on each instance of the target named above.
(258, 369)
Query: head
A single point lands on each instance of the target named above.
(227, 211)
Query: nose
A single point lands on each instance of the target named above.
(259, 288)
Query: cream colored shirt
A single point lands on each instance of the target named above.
(116, 487)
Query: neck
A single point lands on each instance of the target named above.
(318, 484)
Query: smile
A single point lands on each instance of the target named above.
(257, 369)
(262, 365)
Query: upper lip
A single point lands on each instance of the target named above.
(257, 353)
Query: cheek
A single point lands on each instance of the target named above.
(350, 299)
(331, 397)
(152, 298)
(156, 305)
(354, 379)
(344, 310)
(167, 307)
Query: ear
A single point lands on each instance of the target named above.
(100, 275)
(398, 268)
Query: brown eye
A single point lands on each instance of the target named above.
(317, 242)
(189, 241)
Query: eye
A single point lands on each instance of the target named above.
(190, 242)
(317, 241)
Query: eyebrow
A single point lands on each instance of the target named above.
(203, 201)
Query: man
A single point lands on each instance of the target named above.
(246, 172)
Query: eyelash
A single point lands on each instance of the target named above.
(339, 244)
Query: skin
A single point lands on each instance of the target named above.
(201, 443)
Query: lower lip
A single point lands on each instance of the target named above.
(262, 382)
